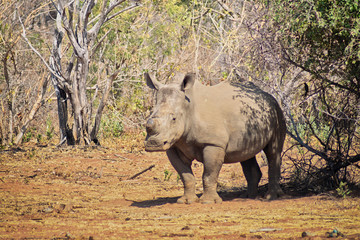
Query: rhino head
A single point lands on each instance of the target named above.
(167, 123)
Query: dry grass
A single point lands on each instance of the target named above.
(84, 193)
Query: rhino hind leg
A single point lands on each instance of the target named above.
(253, 175)
(273, 154)
(183, 168)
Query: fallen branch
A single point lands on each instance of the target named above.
(143, 171)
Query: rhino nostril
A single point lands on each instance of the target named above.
(150, 130)
(165, 142)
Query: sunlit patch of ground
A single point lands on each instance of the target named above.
(87, 193)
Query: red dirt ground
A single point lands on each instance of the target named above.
(87, 193)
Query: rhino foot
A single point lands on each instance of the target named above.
(249, 195)
(274, 193)
(210, 198)
(188, 199)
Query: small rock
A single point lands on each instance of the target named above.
(306, 234)
(334, 234)
(48, 210)
(186, 228)
(69, 236)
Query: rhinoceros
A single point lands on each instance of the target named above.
(225, 123)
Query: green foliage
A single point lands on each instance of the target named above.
(35, 134)
(130, 99)
(319, 39)
(146, 33)
(29, 134)
(111, 124)
(167, 175)
(37, 40)
(49, 129)
(38, 138)
(343, 189)
(321, 33)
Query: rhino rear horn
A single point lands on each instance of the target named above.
(188, 81)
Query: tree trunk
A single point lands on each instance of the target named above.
(60, 89)
(65, 132)
(100, 109)
(73, 20)
(8, 104)
(12, 96)
(79, 101)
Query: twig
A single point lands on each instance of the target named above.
(61, 142)
(119, 156)
(143, 171)
(123, 10)
(266, 230)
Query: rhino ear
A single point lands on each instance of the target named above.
(188, 81)
(152, 83)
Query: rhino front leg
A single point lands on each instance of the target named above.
(253, 175)
(213, 158)
(183, 166)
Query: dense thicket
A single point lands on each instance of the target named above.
(321, 39)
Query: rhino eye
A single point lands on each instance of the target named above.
(174, 119)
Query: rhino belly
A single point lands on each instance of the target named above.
(234, 157)
(245, 146)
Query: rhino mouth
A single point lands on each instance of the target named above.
(156, 144)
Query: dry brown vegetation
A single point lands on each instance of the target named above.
(87, 193)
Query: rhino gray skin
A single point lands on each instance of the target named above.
(225, 123)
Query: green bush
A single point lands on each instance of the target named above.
(112, 125)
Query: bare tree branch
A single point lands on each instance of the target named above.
(300, 140)
(39, 55)
(122, 11)
(93, 50)
(102, 104)
(36, 106)
(93, 32)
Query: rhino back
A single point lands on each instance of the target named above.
(239, 117)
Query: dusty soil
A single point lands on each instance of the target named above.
(87, 193)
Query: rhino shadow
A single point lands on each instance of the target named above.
(227, 194)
